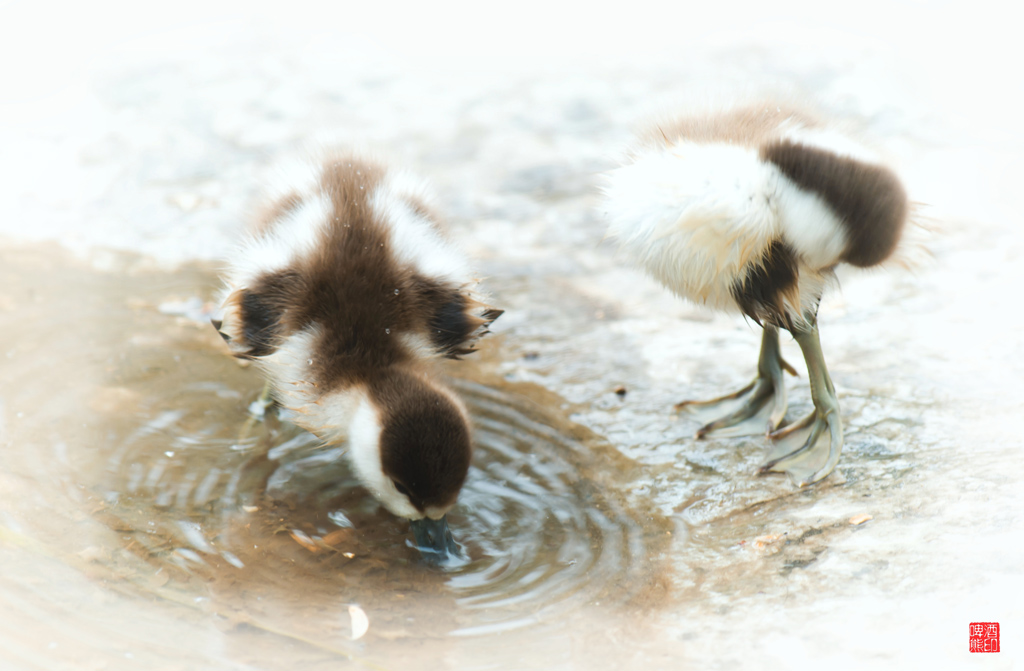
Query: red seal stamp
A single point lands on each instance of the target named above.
(984, 637)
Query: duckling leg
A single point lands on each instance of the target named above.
(809, 449)
(250, 482)
(257, 411)
(735, 409)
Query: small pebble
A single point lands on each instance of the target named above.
(360, 623)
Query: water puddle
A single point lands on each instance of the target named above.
(133, 468)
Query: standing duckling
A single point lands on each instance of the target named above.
(346, 295)
(751, 210)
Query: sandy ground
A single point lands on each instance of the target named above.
(151, 133)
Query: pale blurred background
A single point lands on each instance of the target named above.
(148, 129)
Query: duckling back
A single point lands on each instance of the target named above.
(347, 273)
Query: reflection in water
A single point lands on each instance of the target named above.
(138, 464)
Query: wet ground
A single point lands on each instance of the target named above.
(147, 522)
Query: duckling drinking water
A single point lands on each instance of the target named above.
(346, 295)
(750, 210)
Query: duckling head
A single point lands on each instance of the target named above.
(410, 445)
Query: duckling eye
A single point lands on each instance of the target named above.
(402, 489)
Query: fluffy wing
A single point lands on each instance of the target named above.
(454, 318)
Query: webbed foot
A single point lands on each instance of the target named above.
(807, 450)
(760, 404)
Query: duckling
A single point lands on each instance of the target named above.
(346, 295)
(750, 210)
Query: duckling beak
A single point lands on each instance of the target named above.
(434, 539)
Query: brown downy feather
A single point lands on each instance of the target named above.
(352, 287)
